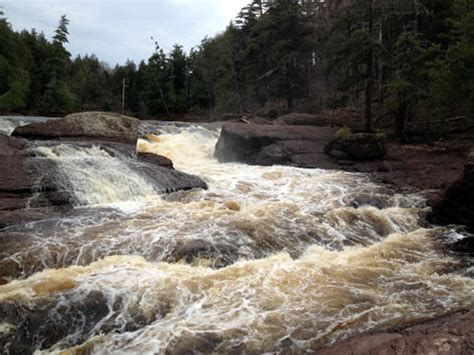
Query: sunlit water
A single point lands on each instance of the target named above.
(269, 259)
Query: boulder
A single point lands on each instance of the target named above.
(106, 127)
(270, 145)
(155, 159)
(358, 147)
(303, 119)
(456, 206)
(219, 254)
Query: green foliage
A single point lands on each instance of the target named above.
(403, 57)
(344, 132)
(61, 33)
(15, 86)
(452, 89)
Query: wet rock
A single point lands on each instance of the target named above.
(358, 146)
(366, 200)
(40, 326)
(26, 180)
(18, 216)
(167, 180)
(219, 254)
(456, 205)
(10, 146)
(303, 119)
(272, 154)
(271, 145)
(453, 334)
(156, 159)
(194, 343)
(107, 127)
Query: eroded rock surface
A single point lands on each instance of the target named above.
(107, 127)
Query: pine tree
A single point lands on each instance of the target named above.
(61, 32)
(58, 96)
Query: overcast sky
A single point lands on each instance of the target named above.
(117, 30)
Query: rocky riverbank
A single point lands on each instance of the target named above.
(430, 166)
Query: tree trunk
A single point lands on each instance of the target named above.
(368, 105)
(289, 96)
(369, 88)
(380, 65)
(400, 118)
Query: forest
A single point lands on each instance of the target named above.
(402, 59)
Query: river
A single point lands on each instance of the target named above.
(267, 260)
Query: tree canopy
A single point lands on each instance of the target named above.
(403, 58)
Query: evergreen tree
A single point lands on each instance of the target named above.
(58, 96)
(452, 90)
(14, 76)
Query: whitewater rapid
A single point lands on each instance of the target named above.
(268, 259)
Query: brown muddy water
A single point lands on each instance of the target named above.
(268, 260)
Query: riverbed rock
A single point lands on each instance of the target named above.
(167, 180)
(358, 147)
(452, 334)
(107, 127)
(217, 254)
(268, 145)
(41, 326)
(155, 159)
(456, 205)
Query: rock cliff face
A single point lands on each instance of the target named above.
(266, 145)
(26, 181)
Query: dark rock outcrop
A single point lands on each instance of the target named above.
(453, 334)
(26, 181)
(156, 159)
(270, 145)
(456, 206)
(359, 147)
(106, 127)
(167, 180)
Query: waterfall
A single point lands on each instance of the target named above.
(96, 177)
